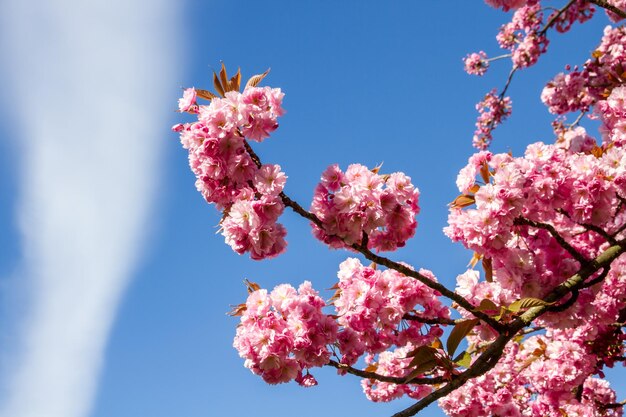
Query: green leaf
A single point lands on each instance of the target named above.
(526, 303)
(464, 359)
(460, 330)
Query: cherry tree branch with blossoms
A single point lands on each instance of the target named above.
(547, 227)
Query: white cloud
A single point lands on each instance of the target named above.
(87, 82)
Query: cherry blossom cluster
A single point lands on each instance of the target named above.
(620, 4)
(580, 88)
(492, 110)
(579, 11)
(392, 363)
(523, 35)
(506, 5)
(536, 218)
(568, 185)
(476, 63)
(361, 202)
(542, 376)
(284, 333)
(613, 114)
(227, 175)
(555, 371)
(371, 307)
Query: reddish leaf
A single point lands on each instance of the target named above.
(207, 95)
(484, 172)
(457, 334)
(597, 151)
(217, 85)
(235, 81)
(256, 79)
(377, 168)
(372, 367)
(224, 78)
(421, 369)
(251, 286)
(237, 310)
(488, 269)
(421, 355)
(463, 200)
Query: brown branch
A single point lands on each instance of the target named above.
(575, 254)
(590, 227)
(613, 405)
(596, 280)
(380, 260)
(383, 378)
(542, 32)
(426, 320)
(606, 5)
(562, 307)
(555, 17)
(600, 231)
(489, 358)
(578, 119)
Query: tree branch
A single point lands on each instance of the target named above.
(606, 5)
(555, 17)
(385, 261)
(575, 254)
(426, 320)
(384, 378)
(489, 358)
(613, 405)
(590, 227)
(380, 260)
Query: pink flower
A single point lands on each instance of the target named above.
(188, 102)
(476, 63)
(270, 180)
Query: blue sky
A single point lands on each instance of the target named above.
(114, 286)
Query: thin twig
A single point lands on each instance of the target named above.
(577, 120)
(562, 307)
(555, 17)
(613, 405)
(575, 254)
(383, 378)
(427, 320)
(597, 279)
(590, 227)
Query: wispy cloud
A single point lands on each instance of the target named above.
(87, 83)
